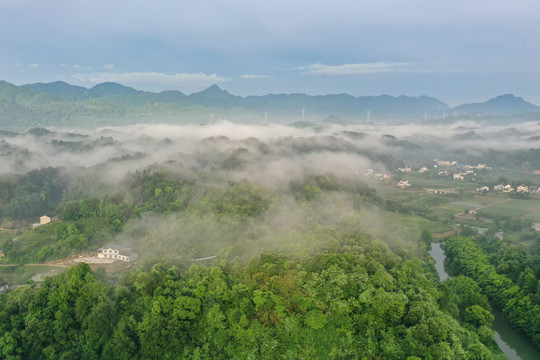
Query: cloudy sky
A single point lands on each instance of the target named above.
(458, 51)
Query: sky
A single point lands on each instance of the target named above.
(458, 51)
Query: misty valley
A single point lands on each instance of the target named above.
(302, 241)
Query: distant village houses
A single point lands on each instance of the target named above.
(536, 226)
(446, 162)
(403, 184)
(405, 169)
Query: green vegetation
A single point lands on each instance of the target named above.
(357, 301)
(252, 249)
(517, 298)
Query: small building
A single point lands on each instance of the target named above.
(45, 219)
(458, 177)
(534, 189)
(403, 184)
(522, 188)
(536, 226)
(117, 252)
(508, 188)
(482, 189)
(4, 286)
(2, 253)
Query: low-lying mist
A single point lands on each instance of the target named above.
(236, 190)
(263, 152)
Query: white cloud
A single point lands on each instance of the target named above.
(76, 66)
(153, 81)
(354, 69)
(33, 65)
(108, 66)
(255, 77)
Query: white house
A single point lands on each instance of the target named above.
(117, 252)
(508, 188)
(522, 188)
(536, 226)
(403, 184)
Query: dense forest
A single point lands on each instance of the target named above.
(354, 299)
(322, 287)
(253, 242)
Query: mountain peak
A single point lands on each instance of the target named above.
(503, 104)
(111, 88)
(507, 98)
(214, 89)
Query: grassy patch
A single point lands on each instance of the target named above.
(517, 209)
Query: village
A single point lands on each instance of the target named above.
(451, 169)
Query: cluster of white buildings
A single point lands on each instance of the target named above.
(405, 169)
(520, 189)
(378, 176)
(445, 162)
(463, 174)
(464, 166)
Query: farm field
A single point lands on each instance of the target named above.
(515, 208)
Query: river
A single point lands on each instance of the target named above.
(514, 345)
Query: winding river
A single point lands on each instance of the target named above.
(514, 345)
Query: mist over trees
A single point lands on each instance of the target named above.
(304, 257)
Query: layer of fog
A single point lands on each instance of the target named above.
(271, 156)
(268, 153)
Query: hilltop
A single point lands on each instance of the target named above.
(62, 104)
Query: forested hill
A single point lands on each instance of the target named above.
(354, 300)
(62, 104)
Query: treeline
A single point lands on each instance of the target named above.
(516, 299)
(359, 301)
(33, 194)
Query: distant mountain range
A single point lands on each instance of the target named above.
(59, 103)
